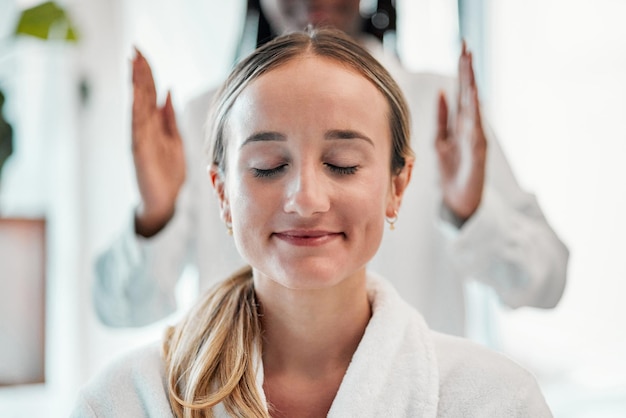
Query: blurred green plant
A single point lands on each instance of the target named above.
(46, 21)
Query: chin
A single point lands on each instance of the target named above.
(317, 274)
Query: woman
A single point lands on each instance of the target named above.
(310, 154)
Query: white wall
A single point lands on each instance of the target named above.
(558, 83)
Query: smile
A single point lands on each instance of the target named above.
(307, 238)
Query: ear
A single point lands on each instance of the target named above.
(219, 185)
(399, 183)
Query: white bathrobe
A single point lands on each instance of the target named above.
(400, 369)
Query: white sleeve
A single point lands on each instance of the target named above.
(82, 408)
(135, 278)
(132, 385)
(508, 243)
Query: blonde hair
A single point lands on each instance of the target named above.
(209, 356)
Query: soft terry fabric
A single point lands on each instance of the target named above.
(400, 369)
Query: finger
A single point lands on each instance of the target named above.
(466, 80)
(462, 55)
(470, 69)
(476, 109)
(144, 90)
(169, 117)
(442, 118)
(143, 81)
(472, 89)
(142, 73)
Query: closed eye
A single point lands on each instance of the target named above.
(342, 170)
(270, 172)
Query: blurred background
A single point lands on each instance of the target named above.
(552, 76)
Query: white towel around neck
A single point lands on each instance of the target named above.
(393, 372)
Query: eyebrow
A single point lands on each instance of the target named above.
(264, 136)
(347, 134)
(330, 135)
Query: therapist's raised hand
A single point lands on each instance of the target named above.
(158, 152)
(461, 145)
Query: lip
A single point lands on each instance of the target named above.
(307, 238)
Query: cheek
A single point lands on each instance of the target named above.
(252, 204)
(241, 202)
(247, 219)
(370, 203)
(366, 213)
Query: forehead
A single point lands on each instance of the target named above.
(313, 84)
(306, 68)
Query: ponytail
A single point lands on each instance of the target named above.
(210, 354)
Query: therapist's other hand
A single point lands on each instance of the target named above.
(158, 152)
(461, 145)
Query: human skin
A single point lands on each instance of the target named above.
(461, 145)
(308, 181)
(291, 15)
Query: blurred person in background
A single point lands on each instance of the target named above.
(464, 215)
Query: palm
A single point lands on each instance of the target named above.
(157, 152)
(461, 146)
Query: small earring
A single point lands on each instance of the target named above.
(392, 221)
(229, 228)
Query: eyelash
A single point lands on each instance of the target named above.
(262, 173)
(257, 172)
(342, 170)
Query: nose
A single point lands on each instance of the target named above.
(306, 192)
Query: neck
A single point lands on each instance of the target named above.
(311, 332)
